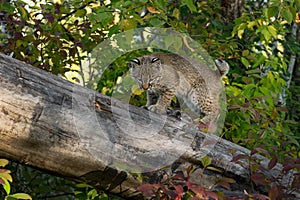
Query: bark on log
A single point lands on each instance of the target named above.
(54, 125)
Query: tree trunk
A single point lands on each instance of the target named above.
(56, 126)
(232, 9)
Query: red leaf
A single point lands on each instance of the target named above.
(286, 168)
(273, 193)
(190, 185)
(211, 194)
(258, 178)
(272, 162)
(189, 169)
(147, 189)
(259, 196)
(197, 189)
(179, 192)
(246, 105)
(263, 151)
(238, 157)
(63, 53)
(179, 189)
(296, 181)
(224, 184)
(178, 197)
(179, 177)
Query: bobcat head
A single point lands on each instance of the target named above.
(146, 71)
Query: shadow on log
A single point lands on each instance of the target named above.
(56, 126)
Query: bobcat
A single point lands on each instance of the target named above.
(165, 75)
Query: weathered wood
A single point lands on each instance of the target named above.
(57, 126)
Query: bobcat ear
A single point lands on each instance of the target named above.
(136, 61)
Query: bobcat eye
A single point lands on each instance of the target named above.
(137, 61)
(154, 60)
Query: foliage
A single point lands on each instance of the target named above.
(254, 96)
(276, 185)
(5, 178)
(178, 187)
(38, 184)
(57, 37)
(87, 192)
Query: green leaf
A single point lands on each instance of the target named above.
(20, 196)
(161, 4)
(80, 13)
(92, 194)
(297, 4)
(104, 197)
(249, 89)
(259, 61)
(23, 12)
(272, 11)
(275, 3)
(113, 30)
(190, 5)
(92, 17)
(272, 30)
(168, 41)
(177, 44)
(7, 7)
(95, 27)
(128, 24)
(294, 140)
(287, 15)
(245, 62)
(83, 185)
(266, 34)
(206, 161)
(6, 186)
(156, 22)
(104, 17)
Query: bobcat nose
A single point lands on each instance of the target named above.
(146, 86)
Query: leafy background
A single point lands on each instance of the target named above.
(259, 39)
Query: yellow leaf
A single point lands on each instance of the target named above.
(176, 13)
(273, 31)
(152, 10)
(251, 25)
(20, 196)
(297, 18)
(227, 180)
(240, 33)
(214, 169)
(136, 90)
(3, 162)
(6, 176)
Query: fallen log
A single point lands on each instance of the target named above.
(60, 127)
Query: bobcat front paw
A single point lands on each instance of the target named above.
(157, 109)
